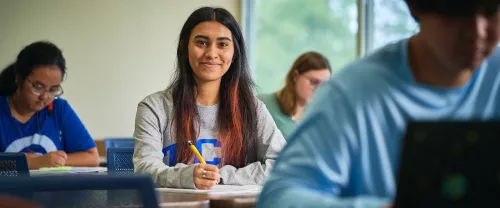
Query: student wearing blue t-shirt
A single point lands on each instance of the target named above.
(346, 153)
(34, 120)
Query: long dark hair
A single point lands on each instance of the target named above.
(41, 53)
(237, 114)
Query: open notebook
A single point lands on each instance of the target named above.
(219, 190)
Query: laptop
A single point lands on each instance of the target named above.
(450, 164)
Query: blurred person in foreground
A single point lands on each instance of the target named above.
(346, 152)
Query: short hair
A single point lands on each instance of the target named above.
(452, 8)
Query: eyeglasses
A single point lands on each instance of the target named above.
(313, 81)
(39, 89)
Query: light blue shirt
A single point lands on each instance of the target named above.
(347, 150)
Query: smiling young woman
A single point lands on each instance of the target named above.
(211, 103)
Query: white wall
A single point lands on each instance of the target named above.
(117, 51)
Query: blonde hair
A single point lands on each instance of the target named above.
(287, 96)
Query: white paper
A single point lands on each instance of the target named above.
(219, 190)
(73, 170)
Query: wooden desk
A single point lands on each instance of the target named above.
(201, 201)
(236, 202)
(186, 204)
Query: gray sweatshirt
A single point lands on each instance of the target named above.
(155, 148)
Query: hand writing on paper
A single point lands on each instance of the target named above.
(206, 176)
(51, 159)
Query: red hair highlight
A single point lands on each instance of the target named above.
(231, 135)
(184, 154)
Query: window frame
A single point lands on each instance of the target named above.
(364, 41)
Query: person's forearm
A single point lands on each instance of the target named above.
(252, 174)
(88, 158)
(32, 161)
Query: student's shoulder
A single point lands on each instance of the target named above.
(494, 60)
(60, 103)
(360, 83)
(372, 73)
(264, 96)
(267, 98)
(159, 103)
(159, 97)
(383, 61)
(260, 105)
(60, 107)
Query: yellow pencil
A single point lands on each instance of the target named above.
(198, 155)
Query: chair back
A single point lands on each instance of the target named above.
(118, 142)
(120, 160)
(13, 164)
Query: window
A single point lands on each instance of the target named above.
(279, 31)
(391, 22)
(284, 29)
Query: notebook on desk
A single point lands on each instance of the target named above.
(219, 190)
(450, 164)
(68, 170)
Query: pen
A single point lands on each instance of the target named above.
(195, 150)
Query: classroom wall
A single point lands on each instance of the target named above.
(117, 51)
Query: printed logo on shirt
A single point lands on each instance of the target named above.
(37, 144)
(210, 149)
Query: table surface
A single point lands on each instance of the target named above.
(186, 204)
(168, 199)
(183, 200)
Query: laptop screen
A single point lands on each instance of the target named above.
(449, 164)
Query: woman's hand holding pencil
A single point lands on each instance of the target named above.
(205, 176)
